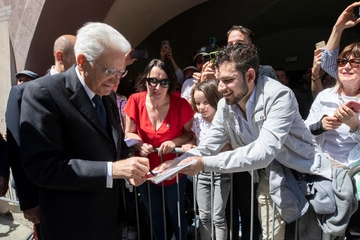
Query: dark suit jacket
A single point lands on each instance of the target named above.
(64, 150)
(26, 190)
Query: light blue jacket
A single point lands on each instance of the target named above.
(282, 136)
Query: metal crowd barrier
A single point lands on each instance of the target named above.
(144, 234)
(178, 151)
(144, 222)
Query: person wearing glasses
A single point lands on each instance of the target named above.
(157, 118)
(70, 138)
(334, 124)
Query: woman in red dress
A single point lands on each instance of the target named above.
(158, 118)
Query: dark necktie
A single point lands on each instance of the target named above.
(100, 109)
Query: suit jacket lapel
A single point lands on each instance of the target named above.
(111, 107)
(81, 100)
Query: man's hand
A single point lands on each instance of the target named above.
(194, 168)
(133, 169)
(330, 123)
(33, 214)
(4, 185)
(191, 170)
(165, 165)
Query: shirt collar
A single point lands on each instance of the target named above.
(88, 91)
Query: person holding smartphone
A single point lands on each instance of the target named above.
(166, 52)
(332, 121)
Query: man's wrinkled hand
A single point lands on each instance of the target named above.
(134, 169)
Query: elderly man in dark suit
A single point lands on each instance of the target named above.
(70, 140)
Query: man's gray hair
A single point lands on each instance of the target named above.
(94, 37)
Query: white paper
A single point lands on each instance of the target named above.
(130, 141)
(160, 177)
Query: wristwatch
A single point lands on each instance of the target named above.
(356, 130)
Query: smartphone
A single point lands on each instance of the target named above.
(320, 44)
(212, 42)
(165, 44)
(213, 56)
(139, 54)
(356, 12)
(355, 106)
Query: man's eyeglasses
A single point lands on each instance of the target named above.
(153, 82)
(354, 63)
(113, 72)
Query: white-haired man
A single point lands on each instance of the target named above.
(70, 140)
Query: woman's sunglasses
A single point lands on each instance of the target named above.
(354, 63)
(153, 82)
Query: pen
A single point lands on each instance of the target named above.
(152, 172)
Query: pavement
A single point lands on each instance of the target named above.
(12, 230)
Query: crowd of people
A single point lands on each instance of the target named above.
(77, 146)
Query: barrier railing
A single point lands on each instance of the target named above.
(144, 224)
(352, 172)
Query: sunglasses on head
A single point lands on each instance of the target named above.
(153, 82)
(354, 63)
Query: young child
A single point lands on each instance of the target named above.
(211, 195)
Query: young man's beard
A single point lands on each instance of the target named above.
(237, 98)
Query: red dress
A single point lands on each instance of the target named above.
(180, 112)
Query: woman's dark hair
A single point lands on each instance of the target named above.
(209, 88)
(141, 85)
